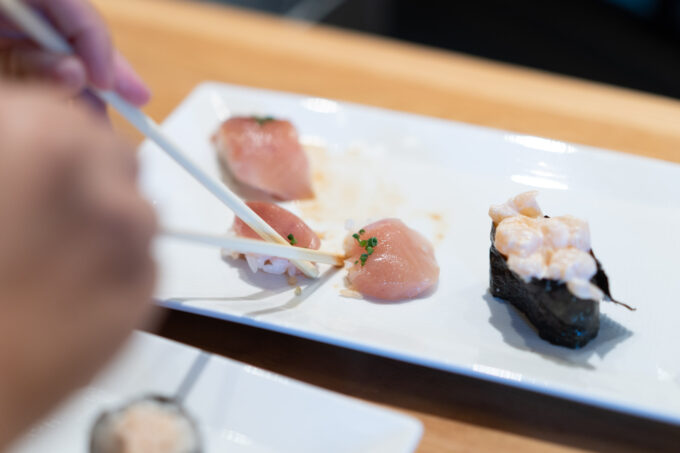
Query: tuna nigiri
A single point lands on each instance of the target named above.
(390, 261)
(265, 153)
(288, 225)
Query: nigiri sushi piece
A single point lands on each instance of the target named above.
(390, 261)
(546, 268)
(265, 153)
(288, 225)
(147, 425)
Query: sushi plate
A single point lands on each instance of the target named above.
(238, 408)
(439, 177)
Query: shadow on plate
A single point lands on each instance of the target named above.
(271, 285)
(307, 291)
(518, 332)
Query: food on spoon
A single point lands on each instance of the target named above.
(390, 261)
(148, 425)
(546, 268)
(265, 153)
(288, 225)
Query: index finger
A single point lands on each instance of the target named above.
(81, 24)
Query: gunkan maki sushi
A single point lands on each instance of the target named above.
(545, 267)
(153, 424)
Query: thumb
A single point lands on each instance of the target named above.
(29, 63)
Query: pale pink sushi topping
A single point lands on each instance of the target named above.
(265, 153)
(283, 221)
(287, 225)
(555, 248)
(401, 266)
(150, 427)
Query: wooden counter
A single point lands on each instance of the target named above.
(176, 45)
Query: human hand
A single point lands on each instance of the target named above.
(76, 275)
(96, 62)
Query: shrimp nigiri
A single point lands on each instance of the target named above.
(265, 153)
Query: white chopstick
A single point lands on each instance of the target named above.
(244, 245)
(45, 35)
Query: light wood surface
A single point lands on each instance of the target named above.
(176, 45)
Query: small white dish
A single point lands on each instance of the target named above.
(440, 177)
(238, 408)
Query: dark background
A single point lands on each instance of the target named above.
(630, 43)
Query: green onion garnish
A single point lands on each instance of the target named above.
(263, 119)
(366, 244)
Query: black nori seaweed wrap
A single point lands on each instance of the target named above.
(560, 317)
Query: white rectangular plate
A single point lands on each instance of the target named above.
(440, 177)
(238, 408)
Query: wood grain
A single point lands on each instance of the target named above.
(176, 45)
